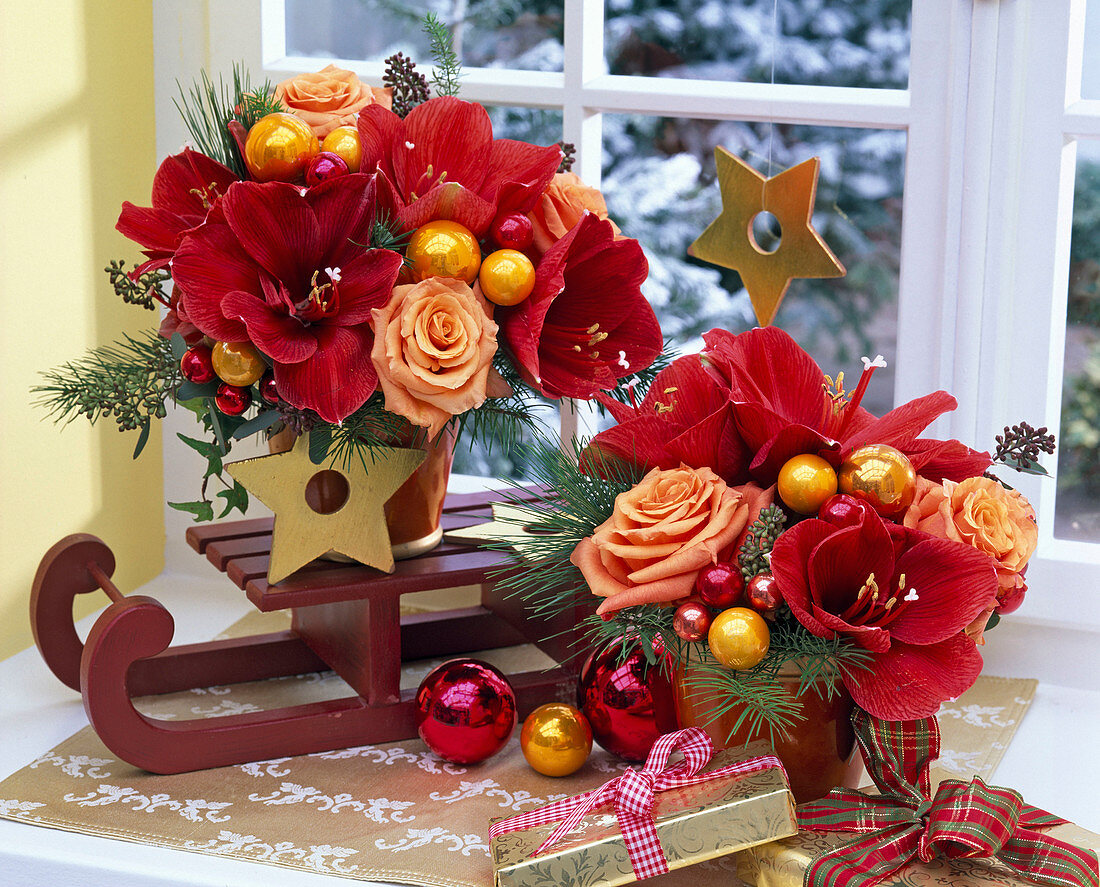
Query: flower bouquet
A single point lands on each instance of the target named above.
(779, 547)
(368, 266)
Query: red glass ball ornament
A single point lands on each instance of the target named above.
(763, 594)
(232, 399)
(1010, 601)
(197, 365)
(843, 510)
(268, 391)
(720, 586)
(692, 621)
(324, 166)
(465, 711)
(628, 704)
(512, 231)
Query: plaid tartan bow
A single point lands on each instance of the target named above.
(632, 795)
(906, 822)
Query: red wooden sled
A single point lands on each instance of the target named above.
(346, 618)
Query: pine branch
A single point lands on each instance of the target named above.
(386, 233)
(448, 70)
(145, 290)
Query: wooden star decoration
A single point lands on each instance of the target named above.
(728, 241)
(323, 508)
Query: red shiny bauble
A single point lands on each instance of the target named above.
(692, 621)
(465, 711)
(763, 594)
(628, 703)
(843, 510)
(1011, 600)
(232, 400)
(512, 231)
(197, 365)
(325, 165)
(268, 391)
(720, 586)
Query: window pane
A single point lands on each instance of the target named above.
(823, 42)
(487, 33)
(1077, 512)
(659, 183)
(1090, 67)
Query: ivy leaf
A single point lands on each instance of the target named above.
(203, 511)
(320, 437)
(219, 430)
(260, 423)
(208, 450)
(143, 438)
(235, 497)
(190, 391)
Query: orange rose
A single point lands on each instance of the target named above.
(330, 98)
(561, 206)
(983, 514)
(434, 343)
(662, 533)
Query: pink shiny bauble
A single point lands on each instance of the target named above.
(232, 400)
(720, 586)
(692, 621)
(325, 165)
(628, 705)
(843, 510)
(512, 230)
(465, 711)
(763, 594)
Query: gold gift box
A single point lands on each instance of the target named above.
(784, 863)
(694, 824)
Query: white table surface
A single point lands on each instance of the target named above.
(1052, 761)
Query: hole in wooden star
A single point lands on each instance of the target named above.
(327, 491)
(765, 232)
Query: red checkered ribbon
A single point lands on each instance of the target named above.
(906, 822)
(632, 795)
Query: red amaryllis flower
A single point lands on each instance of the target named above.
(783, 407)
(685, 418)
(442, 162)
(286, 268)
(586, 324)
(184, 189)
(902, 595)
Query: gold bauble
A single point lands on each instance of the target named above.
(344, 142)
(805, 482)
(881, 476)
(279, 147)
(739, 638)
(237, 363)
(507, 277)
(443, 249)
(556, 739)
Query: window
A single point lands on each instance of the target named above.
(979, 125)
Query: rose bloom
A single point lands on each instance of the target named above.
(561, 206)
(330, 98)
(982, 513)
(434, 343)
(661, 533)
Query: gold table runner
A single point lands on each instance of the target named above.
(391, 812)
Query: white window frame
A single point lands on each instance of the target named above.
(990, 124)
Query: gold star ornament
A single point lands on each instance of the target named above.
(323, 508)
(729, 241)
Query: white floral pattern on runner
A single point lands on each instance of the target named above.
(313, 857)
(375, 809)
(191, 809)
(12, 806)
(421, 837)
(265, 768)
(978, 715)
(425, 760)
(77, 766)
(490, 788)
(963, 763)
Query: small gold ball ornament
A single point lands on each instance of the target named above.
(345, 143)
(881, 476)
(739, 638)
(443, 249)
(805, 482)
(507, 277)
(237, 363)
(279, 147)
(556, 739)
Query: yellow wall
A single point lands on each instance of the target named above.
(76, 139)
